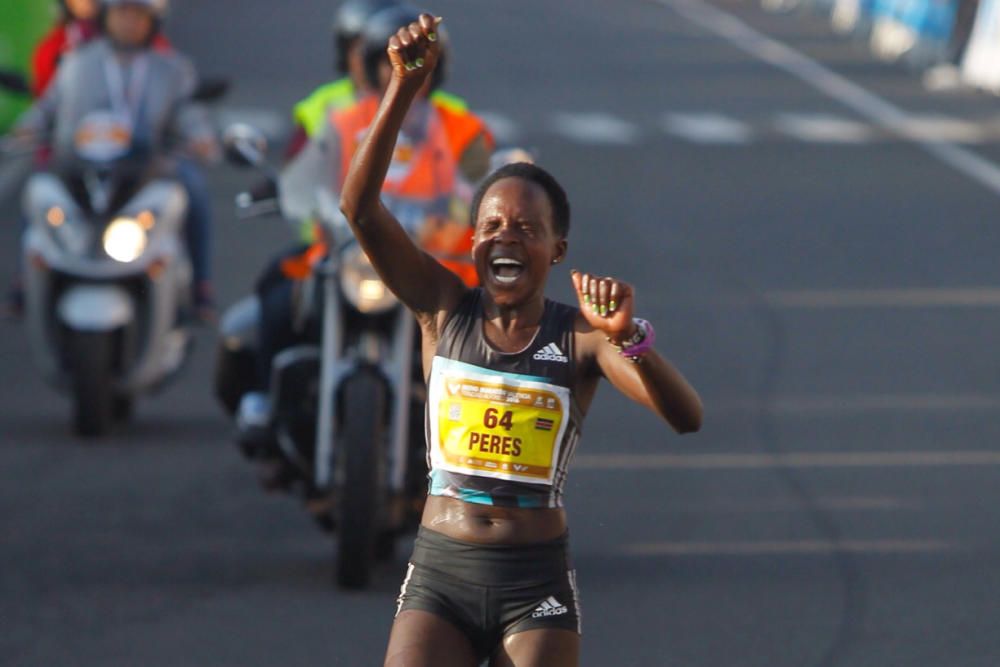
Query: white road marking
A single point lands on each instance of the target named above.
(752, 506)
(595, 128)
(274, 124)
(835, 86)
(503, 128)
(823, 128)
(789, 547)
(796, 460)
(707, 128)
(935, 128)
(962, 297)
(859, 404)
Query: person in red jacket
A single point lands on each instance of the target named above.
(77, 25)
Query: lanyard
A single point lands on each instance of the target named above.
(126, 102)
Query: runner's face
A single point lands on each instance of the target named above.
(515, 242)
(82, 10)
(129, 25)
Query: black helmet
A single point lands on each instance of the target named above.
(383, 25)
(348, 23)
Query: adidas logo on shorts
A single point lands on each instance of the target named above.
(549, 607)
(551, 352)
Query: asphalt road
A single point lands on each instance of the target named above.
(829, 285)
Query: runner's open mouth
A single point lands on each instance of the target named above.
(506, 270)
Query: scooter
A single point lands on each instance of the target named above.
(347, 414)
(107, 284)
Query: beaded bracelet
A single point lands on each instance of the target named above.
(639, 344)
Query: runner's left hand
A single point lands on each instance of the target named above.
(607, 304)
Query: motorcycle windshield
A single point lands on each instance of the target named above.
(306, 192)
(102, 188)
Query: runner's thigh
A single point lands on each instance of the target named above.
(422, 639)
(539, 648)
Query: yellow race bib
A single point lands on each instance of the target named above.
(494, 424)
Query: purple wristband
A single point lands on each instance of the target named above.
(633, 352)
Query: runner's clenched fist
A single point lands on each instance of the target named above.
(414, 50)
(606, 303)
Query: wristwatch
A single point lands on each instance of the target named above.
(638, 343)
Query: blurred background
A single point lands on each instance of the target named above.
(804, 195)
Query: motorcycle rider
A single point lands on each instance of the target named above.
(311, 113)
(145, 91)
(76, 26)
(440, 125)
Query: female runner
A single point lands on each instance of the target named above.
(510, 377)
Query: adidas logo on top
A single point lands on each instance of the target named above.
(551, 352)
(549, 607)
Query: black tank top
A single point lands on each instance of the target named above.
(502, 427)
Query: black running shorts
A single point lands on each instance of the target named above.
(490, 591)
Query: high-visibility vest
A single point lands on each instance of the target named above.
(311, 113)
(421, 172)
(426, 172)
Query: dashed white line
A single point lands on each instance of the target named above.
(942, 128)
(789, 547)
(595, 128)
(754, 506)
(835, 86)
(860, 404)
(823, 128)
(707, 128)
(962, 297)
(795, 460)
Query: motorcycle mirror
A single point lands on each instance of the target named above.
(14, 82)
(246, 146)
(210, 89)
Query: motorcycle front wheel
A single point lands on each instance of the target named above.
(91, 356)
(362, 483)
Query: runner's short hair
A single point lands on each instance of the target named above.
(534, 174)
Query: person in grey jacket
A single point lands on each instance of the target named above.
(141, 96)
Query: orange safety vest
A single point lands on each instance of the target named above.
(423, 172)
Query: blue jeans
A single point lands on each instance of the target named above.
(198, 230)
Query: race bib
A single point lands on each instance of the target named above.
(103, 136)
(493, 424)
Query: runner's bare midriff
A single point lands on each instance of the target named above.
(486, 524)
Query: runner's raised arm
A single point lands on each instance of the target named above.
(415, 277)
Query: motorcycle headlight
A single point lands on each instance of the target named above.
(125, 239)
(361, 284)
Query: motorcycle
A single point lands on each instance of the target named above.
(108, 306)
(347, 414)
(107, 284)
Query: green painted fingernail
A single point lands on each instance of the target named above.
(604, 311)
(594, 308)
(432, 36)
(613, 305)
(586, 298)
(420, 62)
